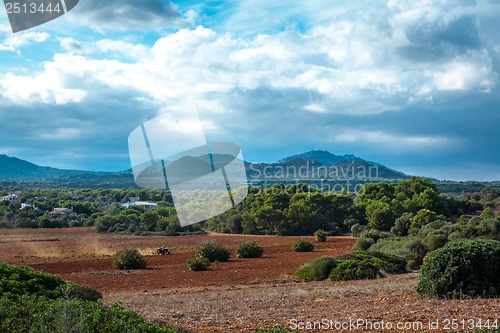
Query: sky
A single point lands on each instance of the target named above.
(413, 85)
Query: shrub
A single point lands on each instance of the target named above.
(354, 270)
(363, 244)
(20, 280)
(212, 251)
(463, 268)
(83, 293)
(302, 245)
(129, 259)
(357, 229)
(304, 272)
(39, 314)
(412, 249)
(320, 236)
(434, 241)
(317, 269)
(249, 250)
(198, 264)
(273, 330)
(391, 264)
(321, 267)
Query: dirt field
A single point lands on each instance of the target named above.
(240, 295)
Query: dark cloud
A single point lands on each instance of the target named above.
(431, 41)
(128, 14)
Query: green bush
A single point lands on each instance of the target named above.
(273, 330)
(198, 264)
(129, 259)
(304, 272)
(363, 244)
(249, 250)
(410, 248)
(321, 267)
(32, 301)
(39, 314)
(212, 250)
(355, 270)
(320, 235)
(20, 280)
(317, 269)
(463, 268)
(389, 263)
(83, 293)
(302, 245)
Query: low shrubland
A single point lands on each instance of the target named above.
(32, 301)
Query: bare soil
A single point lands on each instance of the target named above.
(243, 294)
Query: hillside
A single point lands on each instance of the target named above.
(314, 167)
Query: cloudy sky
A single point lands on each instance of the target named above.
(413, 85)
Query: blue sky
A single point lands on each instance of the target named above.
(413, 85)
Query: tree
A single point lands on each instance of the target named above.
(423, 217)
(379, 215)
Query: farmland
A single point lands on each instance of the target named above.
(240, 295)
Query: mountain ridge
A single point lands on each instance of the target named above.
(313, 165)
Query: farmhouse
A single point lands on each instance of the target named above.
(12, 198)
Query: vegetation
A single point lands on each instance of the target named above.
(317, 269)
(464, 268)
(353, 266)
(320, 236)
(351, 269)
(249, 250)
(212, 250)
(198, 264)
(303, 245)
(32, 301)
(129, 259)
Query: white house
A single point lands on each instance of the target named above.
(12, 198)
(144, 204)
(27, 205)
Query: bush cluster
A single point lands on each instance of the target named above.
(129, 259)
(320, 235)
(353, 266)
(198, 264)
(212, 250)
(303, 245)
(249, 250)
(463, 268)
(32, 301)
(317, 269)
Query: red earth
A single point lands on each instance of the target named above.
(240, 295)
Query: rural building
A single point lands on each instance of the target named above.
(12, 198)
(27, 205)
(62, 211)
(144, 204)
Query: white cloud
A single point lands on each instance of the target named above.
(15, 42)
(390, 140)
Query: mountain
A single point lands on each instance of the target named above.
(14, 171)
(313, 167)
(323, 157)
(12, 167)
(322, 166)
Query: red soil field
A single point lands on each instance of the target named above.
(236, 296)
